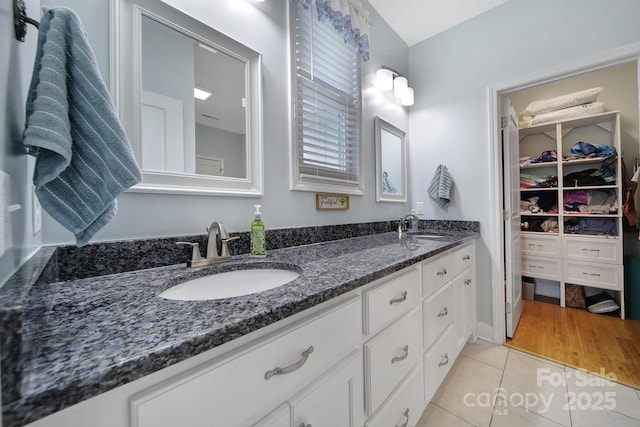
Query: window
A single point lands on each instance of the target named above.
(326, 110)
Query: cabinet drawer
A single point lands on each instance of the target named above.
(607, 276)
(230, 390)
(599, 250)
(544, 268)
(438, 312)
(405, 405)
(464, 257)
(389, 356)
(391, 299)
(540, 245)
(437, 362)
(436, 272)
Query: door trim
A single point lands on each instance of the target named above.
(495, 91)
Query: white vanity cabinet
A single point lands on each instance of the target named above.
(449, 311)
(393, 349)
(249, 384)
(373, 357)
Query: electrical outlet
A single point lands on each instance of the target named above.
(419, 208)
(36, 210)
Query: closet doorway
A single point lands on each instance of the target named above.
(571, 78)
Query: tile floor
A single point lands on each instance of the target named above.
(492, 385)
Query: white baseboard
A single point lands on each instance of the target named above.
(484, 331)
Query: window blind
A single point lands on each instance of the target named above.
(327, 102)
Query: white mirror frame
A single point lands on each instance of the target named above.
(126, 89)
(381, 125)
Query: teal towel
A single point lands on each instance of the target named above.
(84, 159)
(440, 187)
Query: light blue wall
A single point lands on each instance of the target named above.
(16, 66)
(263, 27)
(451, 72)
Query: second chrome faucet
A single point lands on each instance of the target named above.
(217, 247)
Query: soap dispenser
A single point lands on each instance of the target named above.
(258, 245)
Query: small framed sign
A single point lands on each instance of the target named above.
(332, 202)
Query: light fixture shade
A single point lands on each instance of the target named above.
(400, 86)
(384, 79)
(407, 98)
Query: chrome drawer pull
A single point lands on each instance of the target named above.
(403, 298)
(591, 250)
(444, 360)
(405, 349)
(442, 273)
(305, 425)
(592, 274)
(404, 415)
(290, 368)
(443, 312)
(466, 257)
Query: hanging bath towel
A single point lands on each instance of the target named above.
(84, 160)
(440, 187)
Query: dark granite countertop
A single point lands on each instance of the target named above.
(83, 337)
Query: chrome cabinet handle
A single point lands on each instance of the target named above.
(403, 298)
(290, 368)
(443, 312)
(444, 360)
(404, 415)
(591, 274)
(467, 281)
(442, 272)
(591, 250)
(466, 257)
(405, 350)
(305, 425)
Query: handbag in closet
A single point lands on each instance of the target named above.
(629, 214)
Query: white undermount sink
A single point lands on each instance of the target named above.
(229, 284)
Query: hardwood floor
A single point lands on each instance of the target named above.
(600, 344)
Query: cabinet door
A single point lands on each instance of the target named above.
(333, 400)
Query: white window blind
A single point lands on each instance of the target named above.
(327, 105)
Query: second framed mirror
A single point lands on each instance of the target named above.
(391, 162)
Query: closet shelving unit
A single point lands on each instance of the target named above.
(573, 253)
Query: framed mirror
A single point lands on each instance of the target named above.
(190, 99)
(391, 162)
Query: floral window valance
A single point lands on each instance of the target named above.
(346, 16)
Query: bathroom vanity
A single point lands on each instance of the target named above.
(364, 336)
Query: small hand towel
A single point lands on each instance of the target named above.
(440, 187)
(84, 159)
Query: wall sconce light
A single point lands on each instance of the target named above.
(387, 79)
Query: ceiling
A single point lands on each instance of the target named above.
(417, 20)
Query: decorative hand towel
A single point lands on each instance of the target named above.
(84, 159)
(440, 187)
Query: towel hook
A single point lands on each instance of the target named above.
(20, 19)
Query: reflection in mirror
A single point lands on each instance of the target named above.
(190, 98)
(207, 125)
(391, 161)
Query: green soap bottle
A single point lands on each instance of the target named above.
(258, 244)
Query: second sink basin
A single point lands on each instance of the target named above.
(229, 284)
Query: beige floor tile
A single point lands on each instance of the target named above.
(537, 386)
(468, 391)
(491, 354)
(506, 414)
(435, 416)
(591, 418)
(590, 393)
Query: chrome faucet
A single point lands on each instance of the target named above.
(406, 223)
(217, 247)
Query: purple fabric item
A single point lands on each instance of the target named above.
(575, 197)
(599, 226)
